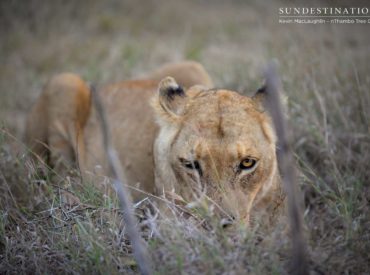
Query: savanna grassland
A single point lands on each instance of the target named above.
(325, 73)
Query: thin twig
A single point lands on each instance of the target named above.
(287, 169)
(139, 249)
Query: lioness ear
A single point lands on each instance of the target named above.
(170, 100)
(259, 98)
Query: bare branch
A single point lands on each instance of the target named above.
(287, 169)
(119, 178)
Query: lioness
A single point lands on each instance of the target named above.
(172, 135)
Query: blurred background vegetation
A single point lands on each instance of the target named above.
(325, 71)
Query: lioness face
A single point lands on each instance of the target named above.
(216, 144)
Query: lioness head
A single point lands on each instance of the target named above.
(214, 143)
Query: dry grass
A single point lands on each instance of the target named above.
(54, 224)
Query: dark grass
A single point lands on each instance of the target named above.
(325, 76)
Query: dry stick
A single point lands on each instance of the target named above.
(140, 253)
(287, 169)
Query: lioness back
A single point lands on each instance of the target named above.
(187, 74)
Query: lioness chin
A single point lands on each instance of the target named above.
(175, 136)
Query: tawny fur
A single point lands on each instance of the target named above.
(218, 128)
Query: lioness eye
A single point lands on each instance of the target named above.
(191, 165)
(247, 163)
